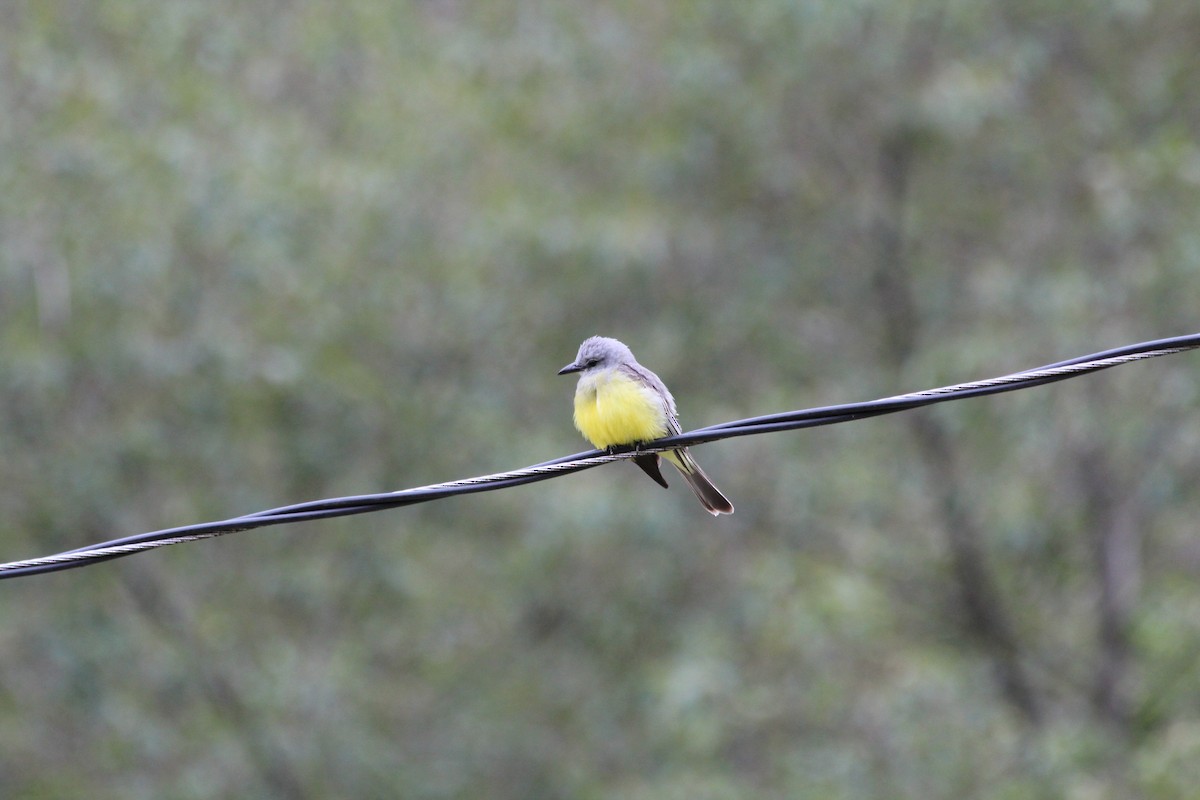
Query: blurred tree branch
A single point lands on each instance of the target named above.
(986, 618)
(156, 603)
(1115, 539)
(1115, 519)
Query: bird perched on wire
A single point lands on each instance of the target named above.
(620, 402)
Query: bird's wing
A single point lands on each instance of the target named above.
(649, 465)
(655, 384)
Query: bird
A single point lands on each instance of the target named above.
(620, 402)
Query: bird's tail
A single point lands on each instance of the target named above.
(709, 495)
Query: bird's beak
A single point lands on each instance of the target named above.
(569, 368)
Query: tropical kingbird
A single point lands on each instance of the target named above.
(620, 402)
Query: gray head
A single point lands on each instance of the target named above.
(599, 352)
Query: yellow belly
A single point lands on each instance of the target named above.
(612, 409)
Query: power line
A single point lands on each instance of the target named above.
(770, 423)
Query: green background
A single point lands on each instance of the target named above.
(260, 253)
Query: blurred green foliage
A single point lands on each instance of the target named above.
(260, 253)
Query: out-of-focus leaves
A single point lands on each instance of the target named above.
(260, 253)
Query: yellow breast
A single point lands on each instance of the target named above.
(612, 409)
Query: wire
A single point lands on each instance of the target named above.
(770, 423)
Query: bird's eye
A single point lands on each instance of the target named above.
(591, 362)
